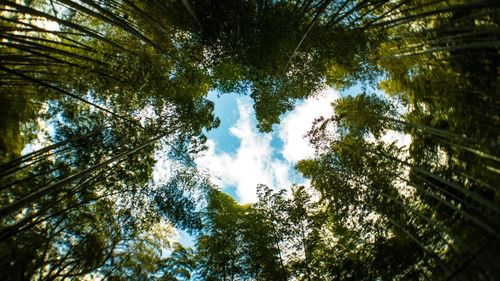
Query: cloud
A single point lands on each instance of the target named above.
(401, 139)
(255, 161)
(251, 164)
(298, 122)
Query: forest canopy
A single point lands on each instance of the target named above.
(94, 93)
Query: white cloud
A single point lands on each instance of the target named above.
(401, 139)
(252, 163)
(298, 122)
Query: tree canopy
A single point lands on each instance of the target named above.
(95, 93)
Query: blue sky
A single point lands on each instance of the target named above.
(240, 157)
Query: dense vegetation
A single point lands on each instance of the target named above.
(95, 92)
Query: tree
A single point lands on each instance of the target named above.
(219, 246)
(118, 81)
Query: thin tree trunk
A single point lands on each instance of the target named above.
(35, 80)
(56, 187)
(48, 148)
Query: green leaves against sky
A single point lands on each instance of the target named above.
(94, 93)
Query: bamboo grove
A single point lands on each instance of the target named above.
(95, 92)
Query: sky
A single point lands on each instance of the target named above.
(239, 157)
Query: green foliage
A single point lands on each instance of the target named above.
(237, 242)
(119, 84)
(362, 114)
